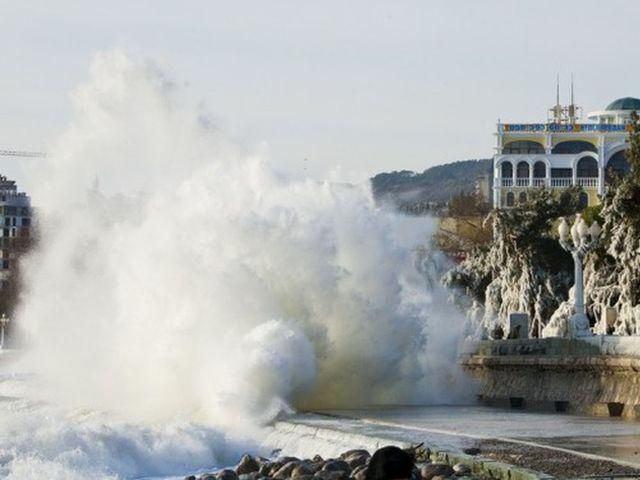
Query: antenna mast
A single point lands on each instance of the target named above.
(557, 110)
(573, 110)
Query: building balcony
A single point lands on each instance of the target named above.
(553, 182)
(588, 182)
(561, 182)
(539, 182)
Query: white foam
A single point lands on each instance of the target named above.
(221, 295)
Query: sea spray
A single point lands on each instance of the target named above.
(180, 277)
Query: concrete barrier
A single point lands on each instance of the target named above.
(597, 375)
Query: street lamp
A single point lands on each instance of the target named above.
(4, 321)
(583, 240)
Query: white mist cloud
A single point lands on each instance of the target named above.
(223, 292)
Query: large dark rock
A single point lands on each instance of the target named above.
(303, 469)
(279, 463)
(265, 469)
(357, 459)
(305, 477)
(359, 473)
(334, 475)
(247, 464)
(349, 453)
(471, 451)
(286, 470)
(336, 466)
(250, 476)
(190, 477)
(436, 469)
(227, 474)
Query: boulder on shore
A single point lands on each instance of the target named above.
(303, 469)
(248, 464)
(227, 474)
(357, 459)
(336, 466)
(359, 473)
(431, 470)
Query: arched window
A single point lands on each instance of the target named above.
(617, 166)
(539, 170)
(507, 170)
(523, 146)
(574, 146)
(583, 199)
(587, 167)
(510, 199)
(522, 198)
(523, 170)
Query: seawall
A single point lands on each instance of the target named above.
(307, 435)
(597, 375)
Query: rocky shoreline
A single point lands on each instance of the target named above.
(561, 465)
(350, 465)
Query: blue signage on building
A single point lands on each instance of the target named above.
(563, 127)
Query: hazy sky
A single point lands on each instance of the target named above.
(364, 86)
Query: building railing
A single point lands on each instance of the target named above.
(587, 181)
(554, 182)
(539, 182)
(561, 182)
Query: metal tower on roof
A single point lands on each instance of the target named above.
(557, 110)
(573, 110)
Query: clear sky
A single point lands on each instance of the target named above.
(363, 86)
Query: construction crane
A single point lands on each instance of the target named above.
(18, 153)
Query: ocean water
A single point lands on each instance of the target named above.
(41, 440)
(183, 294)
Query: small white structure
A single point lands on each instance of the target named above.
(518, 326)
(562, 152)
(583, 239)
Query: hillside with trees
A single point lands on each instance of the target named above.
(413, 192)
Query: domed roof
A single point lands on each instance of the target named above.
(626, 103)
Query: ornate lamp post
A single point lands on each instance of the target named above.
(4, 321)
(583, 240)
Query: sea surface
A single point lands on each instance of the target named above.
(40, 440)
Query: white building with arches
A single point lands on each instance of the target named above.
(562, 153)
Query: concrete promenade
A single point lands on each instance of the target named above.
(597, 376)
(532, 441)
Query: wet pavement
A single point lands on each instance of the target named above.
(457, 427)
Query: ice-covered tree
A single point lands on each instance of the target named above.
(612, 272)
(523, 269)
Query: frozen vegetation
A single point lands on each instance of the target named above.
(524, 268)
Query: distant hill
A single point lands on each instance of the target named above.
(436, 184)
